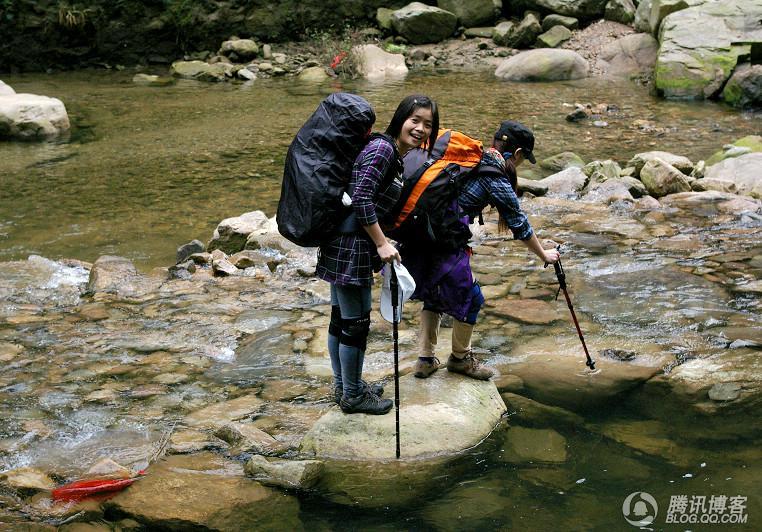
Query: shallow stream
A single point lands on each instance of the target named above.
(149, 168)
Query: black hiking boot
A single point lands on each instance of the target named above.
(373, 387)
(368, 403)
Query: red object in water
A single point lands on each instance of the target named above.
(80, 489)
(338, 59)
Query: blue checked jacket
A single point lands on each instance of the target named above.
(494, 188)
(351, 259)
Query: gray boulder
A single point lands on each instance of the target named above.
(608, 192)
(573, 8)
(289, 474)
(384, 18)
(718, 185)
(201, 71)
(661, 179)
(744, 171)
(533, 187)
(678, 161)
(186, 250)
(315, 74)
(562, 161)
(31, 117)
(501, 34)
(231, 233)
(419, 23)
(700, 46)
(442, 415)
(471, 13)
(600, 171)
(375, 64)
(748, 144)
(543, 64)
(622, 11)
(628, 56)
(559, 20)
(527, 31)
(554, 37)
(485, 32)
(642, 13)
(240, 49)
(744, 88)
(569, 182)
(5, 89)
(661, 8)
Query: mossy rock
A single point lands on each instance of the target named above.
(752, 142)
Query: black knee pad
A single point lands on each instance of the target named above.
(334, 327)
(354, 332)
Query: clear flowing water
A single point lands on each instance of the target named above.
(149, 168)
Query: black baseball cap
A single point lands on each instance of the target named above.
(517, 135)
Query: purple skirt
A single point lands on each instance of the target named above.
(443, 282)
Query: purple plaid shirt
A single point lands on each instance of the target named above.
(352, 258)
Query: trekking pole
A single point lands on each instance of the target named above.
(561, 275)
(394, 286)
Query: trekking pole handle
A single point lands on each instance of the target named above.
(560, 274)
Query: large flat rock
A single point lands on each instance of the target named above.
(205, 491)
(442, 415)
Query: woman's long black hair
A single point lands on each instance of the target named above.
(406, 108)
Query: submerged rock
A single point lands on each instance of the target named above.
(27, 480)
(289, 474)
(204, 491)
(442, 415)
(220, 414)
(522, 445)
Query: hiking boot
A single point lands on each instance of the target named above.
(424, 367)
(367, 403)
(469, 366)
(374, 387)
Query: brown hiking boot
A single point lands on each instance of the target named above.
(425, 367)
(469, 366)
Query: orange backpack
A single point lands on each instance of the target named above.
(427, 212)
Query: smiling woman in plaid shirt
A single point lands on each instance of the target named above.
(349, 260)
(444, 281)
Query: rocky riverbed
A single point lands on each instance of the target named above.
(212, 374)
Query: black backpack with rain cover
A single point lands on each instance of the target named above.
(319, 166)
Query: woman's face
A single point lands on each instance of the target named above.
(416, 129)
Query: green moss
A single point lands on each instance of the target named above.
(675, 80)
(754, 142)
